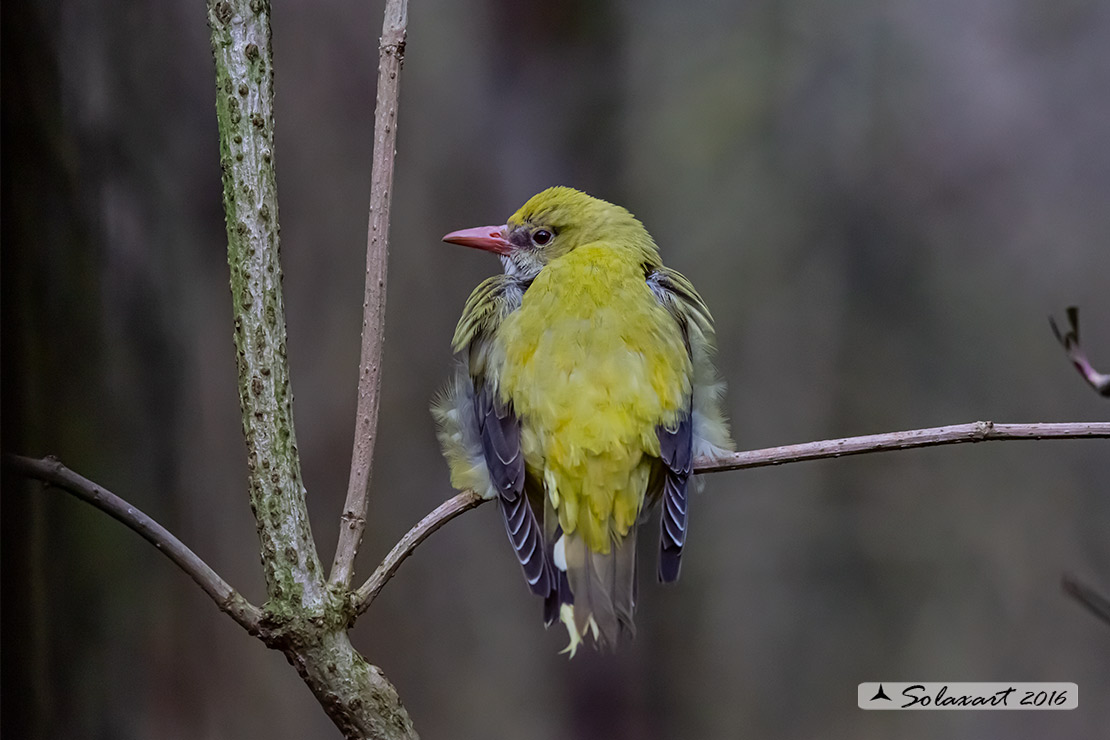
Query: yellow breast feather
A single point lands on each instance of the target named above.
(593, 364)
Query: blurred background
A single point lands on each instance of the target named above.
(881, 202)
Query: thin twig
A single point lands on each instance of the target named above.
(979, 431)
(1095, 602)
(52, 471)
(445, 512)
(1078, 356)
(976, 431)
(391, 55)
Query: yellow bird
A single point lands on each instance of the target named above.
(585, 391)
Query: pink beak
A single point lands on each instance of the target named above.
(489, 238)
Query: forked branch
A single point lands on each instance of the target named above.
(979, 431)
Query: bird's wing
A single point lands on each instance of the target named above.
(491, 431)
(495, 298)
(700, 429)
(676, 453)
(709, 429)
(500, 432)
(677, 294)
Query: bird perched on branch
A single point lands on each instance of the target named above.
(584, 393)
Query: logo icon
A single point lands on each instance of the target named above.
(880, 694)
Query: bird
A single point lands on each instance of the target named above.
(584, 391)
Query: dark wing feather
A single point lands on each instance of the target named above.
(676, 452)
(500, 430)
(676, 294)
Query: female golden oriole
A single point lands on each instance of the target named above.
(585, 391)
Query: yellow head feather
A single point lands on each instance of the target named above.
(575, 219)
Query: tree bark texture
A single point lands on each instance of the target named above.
(303, 617)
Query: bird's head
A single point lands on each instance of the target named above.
(554, 223)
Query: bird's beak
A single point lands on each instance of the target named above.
(489, 238)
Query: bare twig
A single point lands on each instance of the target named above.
(979, 431)
(1070, 342)
(445, 512)
(391, 55)
(52, 471)
(1095, 602)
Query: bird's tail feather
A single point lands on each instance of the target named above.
(603, 587)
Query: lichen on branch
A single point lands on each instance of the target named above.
(244, 110)
(304, 617)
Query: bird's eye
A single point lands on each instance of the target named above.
(541, 236)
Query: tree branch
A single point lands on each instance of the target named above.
(445, 512)
(50, 470)
(979, 431)
(1078, 356)
(391, 55)
(304, 618)
(245, 113)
